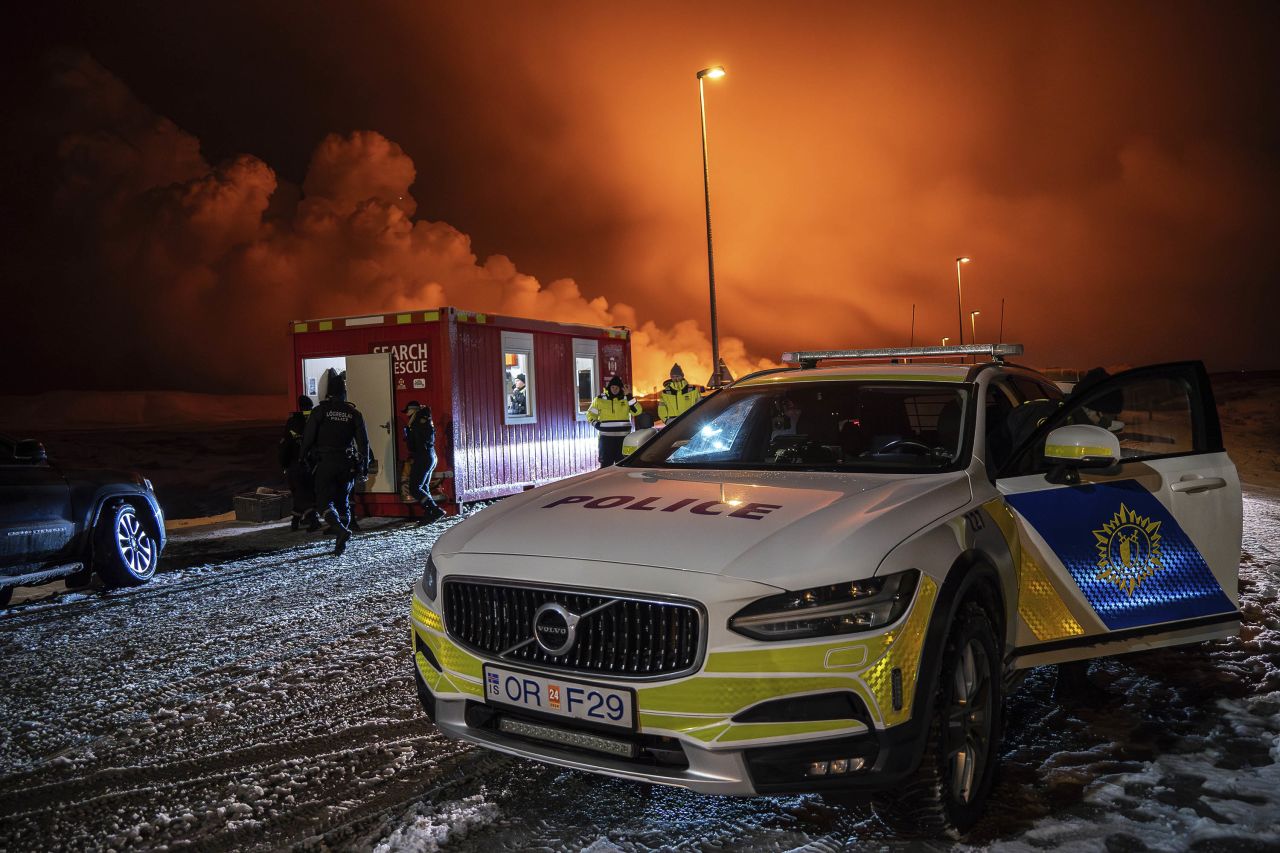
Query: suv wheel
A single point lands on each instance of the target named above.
(949, 788)
(124, 551)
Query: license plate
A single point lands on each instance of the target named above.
(573, 700)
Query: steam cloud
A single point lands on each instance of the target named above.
(198, 268)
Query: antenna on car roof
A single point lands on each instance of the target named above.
(810, 358)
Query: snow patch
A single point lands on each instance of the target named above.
(427, 827)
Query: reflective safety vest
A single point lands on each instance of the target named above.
(612, 414)
(676, 400)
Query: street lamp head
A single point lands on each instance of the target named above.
(963, 260)
(714, 72)
(974, 313)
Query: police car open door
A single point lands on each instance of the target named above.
(369, 388)
(1143, 553)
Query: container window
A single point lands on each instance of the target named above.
(586, 373)
(518, 380)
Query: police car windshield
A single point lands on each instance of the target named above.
(818, 426)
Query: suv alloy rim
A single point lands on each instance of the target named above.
(968, 720)
(135, 546)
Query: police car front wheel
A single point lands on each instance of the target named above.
(947, 793)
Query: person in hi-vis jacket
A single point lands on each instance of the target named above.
(611, 413)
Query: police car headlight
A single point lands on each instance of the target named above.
(430, 581)
(842, 608)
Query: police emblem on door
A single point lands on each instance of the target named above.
(1128, 549)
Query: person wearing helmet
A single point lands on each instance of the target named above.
(302, 488)
(334, 428)
(611, 414)
(677, 396)
(420, 436)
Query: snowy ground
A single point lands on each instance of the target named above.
(258, 694)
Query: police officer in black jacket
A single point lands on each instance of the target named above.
(334, 426)
(420, 435)
(302, 488)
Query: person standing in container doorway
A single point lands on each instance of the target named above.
(611, 414)
(420, 435)
(677, 396)
(517, 402)
(333, 428)
(302, 488)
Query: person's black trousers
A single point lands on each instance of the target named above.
(611, 449)
(420, 479)
(334, 482)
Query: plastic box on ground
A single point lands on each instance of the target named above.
(262, 505)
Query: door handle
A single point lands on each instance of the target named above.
(386, 426)
(1193, 483)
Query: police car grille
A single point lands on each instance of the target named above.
(629, 638)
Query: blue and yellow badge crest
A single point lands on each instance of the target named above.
(1128, 549)
(1126, 552)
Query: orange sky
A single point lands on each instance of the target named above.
(1110, 168)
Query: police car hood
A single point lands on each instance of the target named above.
(769, 527)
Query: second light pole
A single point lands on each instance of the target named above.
(959, 298)
(714, 72)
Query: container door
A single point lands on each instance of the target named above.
(369, 387)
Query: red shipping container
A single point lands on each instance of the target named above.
(463, 365)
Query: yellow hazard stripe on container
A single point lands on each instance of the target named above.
(810, 376)
(905, 647)
(1070, 451)
(299, 328)
(401, 319)
(430, 316)
(325, 325)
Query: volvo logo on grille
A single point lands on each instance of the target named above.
(555, 628)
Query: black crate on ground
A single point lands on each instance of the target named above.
(262, 505)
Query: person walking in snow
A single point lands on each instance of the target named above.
(677, 396)
(611, 414)
(420, 435)
(333, 428)
(302, 488)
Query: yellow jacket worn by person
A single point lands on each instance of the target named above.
(612, 414)
(677, 397)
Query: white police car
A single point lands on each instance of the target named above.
(825, 578)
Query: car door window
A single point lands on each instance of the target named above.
(1154, 413)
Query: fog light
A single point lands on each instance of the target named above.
(836, 767)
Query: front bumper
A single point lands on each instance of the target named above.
(691, 729)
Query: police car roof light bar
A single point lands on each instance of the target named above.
(810, 358)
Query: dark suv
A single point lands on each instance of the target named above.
(57, 522)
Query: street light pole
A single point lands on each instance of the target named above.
(959, 298)
(714, 72)
(973, 326)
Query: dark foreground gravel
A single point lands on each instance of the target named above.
(258, 695)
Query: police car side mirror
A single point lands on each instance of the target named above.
(1069, 449)
(635, 439)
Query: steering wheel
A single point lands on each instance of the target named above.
(906, 445)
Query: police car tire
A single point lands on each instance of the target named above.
(119, 564)
(926, 803)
